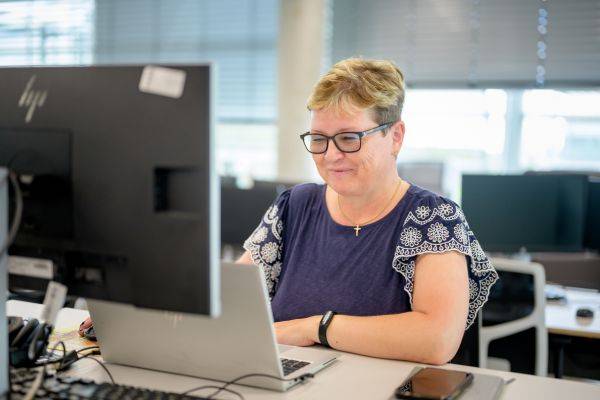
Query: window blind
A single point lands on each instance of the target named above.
(239, 35)
(475, 43)
(46, 32)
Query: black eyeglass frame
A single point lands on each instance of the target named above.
(332, 138)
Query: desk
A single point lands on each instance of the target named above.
(561, 319)
(352, 377)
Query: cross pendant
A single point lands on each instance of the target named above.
(357, 230)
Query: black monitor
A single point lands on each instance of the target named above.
(120, 193)
(535, 212)
(592, 236)
(243, 208)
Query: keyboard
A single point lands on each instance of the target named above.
(57, 387)
(290, 366)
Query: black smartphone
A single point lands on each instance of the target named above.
(434, 384)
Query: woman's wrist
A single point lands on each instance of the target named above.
(313, 328)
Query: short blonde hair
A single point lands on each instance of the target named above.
(360, 84)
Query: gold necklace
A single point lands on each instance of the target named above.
(357, 228)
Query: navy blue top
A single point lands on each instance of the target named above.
(313, 264)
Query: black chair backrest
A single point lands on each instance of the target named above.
(468, 352)
(242, 209)
(511, 298)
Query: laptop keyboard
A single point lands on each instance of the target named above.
(290, 366)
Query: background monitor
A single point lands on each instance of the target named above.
(428, 175)
(4, 354)
(120, 192)
(243, 209)
(537, 212)
(592, 236)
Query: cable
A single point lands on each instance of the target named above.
(301, 378)
(12, 234)
(60, 360)
(239, 395)
(69, 358)
(39, 379)
(220, 388)
(64, 348)
(37, 382)
(87, 348)
(112, 380)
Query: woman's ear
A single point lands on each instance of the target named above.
(397, 131)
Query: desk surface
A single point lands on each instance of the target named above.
(352, 377)
(561, 316)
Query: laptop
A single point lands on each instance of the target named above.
(241, 341)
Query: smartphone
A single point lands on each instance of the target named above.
(434, 384)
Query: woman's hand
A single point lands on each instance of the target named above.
(85, 325)
(298, 332)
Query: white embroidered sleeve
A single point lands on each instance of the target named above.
(437, 227)
(266, 242)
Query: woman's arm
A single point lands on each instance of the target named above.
(246, 258)
(430, 333)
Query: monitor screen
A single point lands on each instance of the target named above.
(119, 189)
(592, 236)
(242, 209)
(535, 212)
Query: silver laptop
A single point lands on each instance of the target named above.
(241, 341)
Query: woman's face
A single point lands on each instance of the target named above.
(354, 174)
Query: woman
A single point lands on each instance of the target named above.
(397, 263)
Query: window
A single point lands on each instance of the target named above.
(247, 150)
(471, 67)
(470, 120)
(463, 129)
(239, 35)
(561, 130)
(466, 43)
(46, 32)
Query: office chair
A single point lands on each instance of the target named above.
(468, 352)
(242, 209)
(533, 319)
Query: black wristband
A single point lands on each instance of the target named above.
(323, 325)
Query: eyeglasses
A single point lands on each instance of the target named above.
(346, 142)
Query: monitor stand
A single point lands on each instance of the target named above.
(3, 284)
(521, 255)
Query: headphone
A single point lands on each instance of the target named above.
(28, 341)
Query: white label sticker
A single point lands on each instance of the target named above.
(54, 300)
(32, 267)
(162, 81)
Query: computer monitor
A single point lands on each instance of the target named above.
(428, 175)
(4, 381)
(592, 236)
(116, 165)
(535, 212)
